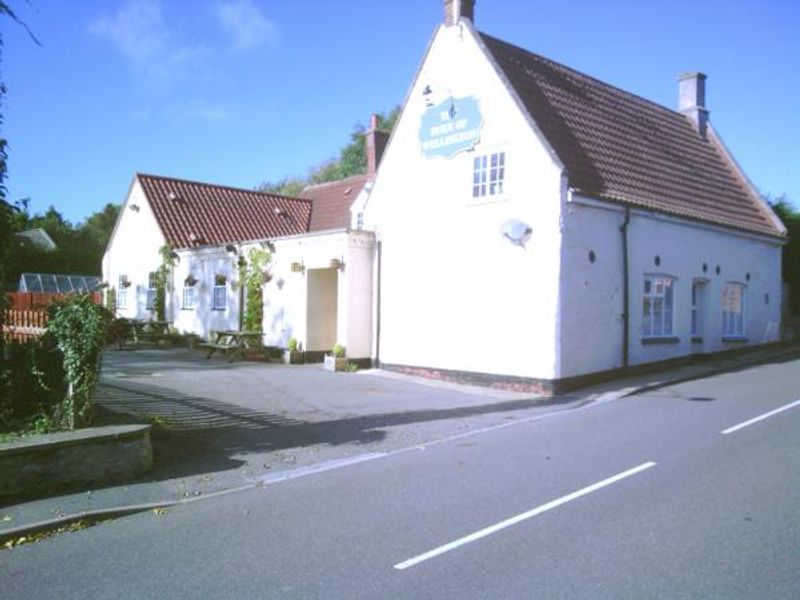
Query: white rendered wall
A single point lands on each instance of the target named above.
(204, 264)
(591, 292)
(455, 293)
(134, 251)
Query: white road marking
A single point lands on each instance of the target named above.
(760, 418)
(522, 517)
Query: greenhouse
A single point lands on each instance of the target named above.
(58, 284)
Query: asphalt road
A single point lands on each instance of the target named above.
(644, 497)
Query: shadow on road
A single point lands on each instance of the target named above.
(194, 435)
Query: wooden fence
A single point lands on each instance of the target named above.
(40, 300)
(23, 325)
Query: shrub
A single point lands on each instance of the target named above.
(79, 329)
(338, 351)
(35, 383)
(293, 344)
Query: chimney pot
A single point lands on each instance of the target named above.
(692, 99)
(455, 9)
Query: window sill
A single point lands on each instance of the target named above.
(219, 309)
(648, 341)
(484, 200)
(734, 339)
(696, 339)
(186, 308)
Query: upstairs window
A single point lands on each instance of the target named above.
(488, 174)
(657, 309)
(733, 310)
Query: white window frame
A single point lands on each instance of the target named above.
(733, 305)
(189, 297)
(658, 290)
(150, 300)
(699, 287)
(216, 292)
(122, 291)
(489, 175)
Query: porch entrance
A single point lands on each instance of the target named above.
(322, 307)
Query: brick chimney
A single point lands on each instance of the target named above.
(455, 9)
(692, 100)
(375, 145)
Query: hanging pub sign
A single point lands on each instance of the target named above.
(450, 127)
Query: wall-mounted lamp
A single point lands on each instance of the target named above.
(190, 281)
(269, 246)
(337, 263)
(298, 267)
(231, 249)
(134, 207)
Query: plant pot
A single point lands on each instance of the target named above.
(294, 357)
(333, 363)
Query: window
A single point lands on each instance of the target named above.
(359, 220)
(188, 299)
(122, 291)
(698, 301)
(657, 313)
(220, 298)
(733, 310)
(488, 174)
(151, 291)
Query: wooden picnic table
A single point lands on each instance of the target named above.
(231, 342)
(147, 331)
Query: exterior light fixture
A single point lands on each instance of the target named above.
(298, 267)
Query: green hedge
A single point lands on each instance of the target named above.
(52, 379)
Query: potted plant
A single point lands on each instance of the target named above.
(336, 360)
(293, 355)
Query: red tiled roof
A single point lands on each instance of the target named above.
(332, 202)
(619, 146)
(193, 214)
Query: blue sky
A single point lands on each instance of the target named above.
(239, 92)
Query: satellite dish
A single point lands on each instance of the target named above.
(517, 232)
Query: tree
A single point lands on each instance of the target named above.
(352, 160)
(791, 251)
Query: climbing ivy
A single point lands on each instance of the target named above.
(78, 328)
(251, 273)
(162, 279)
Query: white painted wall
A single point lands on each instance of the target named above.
(591, 297)
(455, 293)
(203, 264)
(133, 251)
